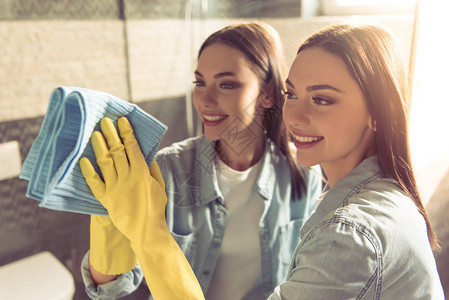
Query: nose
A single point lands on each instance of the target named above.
(296, 113)
(205, 97)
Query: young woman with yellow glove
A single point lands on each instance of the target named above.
(235, 197)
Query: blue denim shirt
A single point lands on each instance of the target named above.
(366, 240)
(196, 214)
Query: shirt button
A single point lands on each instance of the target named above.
(205, 273)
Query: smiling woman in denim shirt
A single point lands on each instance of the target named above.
(370, 237)
(236, 198)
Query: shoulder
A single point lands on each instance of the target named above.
(187, 145)
(369, 215)
(186, 150)
(384, 210)
(381, 198)
(185, 155)
(382, 226)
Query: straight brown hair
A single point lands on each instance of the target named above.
(374, 61)
(263, 49)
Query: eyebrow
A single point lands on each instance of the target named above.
(218, 75)
(317, 87)
(288, 82)
(320, 87)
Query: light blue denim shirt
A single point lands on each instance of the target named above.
(196, 213)
(366, 240)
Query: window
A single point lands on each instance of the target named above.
(367, 7)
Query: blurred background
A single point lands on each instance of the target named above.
(144, 51)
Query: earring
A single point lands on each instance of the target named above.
(373, 125)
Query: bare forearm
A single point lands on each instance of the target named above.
(100, 278)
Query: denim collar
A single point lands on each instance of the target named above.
(367, 171)
(207, 172)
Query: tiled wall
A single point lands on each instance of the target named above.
(38, 56)
(26, 229)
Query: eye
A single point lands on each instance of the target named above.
(227, 85)
(199, 83)
(321, 101)
(288, 95)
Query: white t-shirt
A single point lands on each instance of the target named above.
(238, 269)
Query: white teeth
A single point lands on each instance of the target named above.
(306, 139)
(213, 118)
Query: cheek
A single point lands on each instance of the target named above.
(288, 112)
(250, 101)
(252, 112)
(335, 128)
(360, 121)
(248, 107)
(346, 130)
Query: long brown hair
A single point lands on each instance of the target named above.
(263, 49)
(373, 59)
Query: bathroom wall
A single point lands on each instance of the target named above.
(46, 44)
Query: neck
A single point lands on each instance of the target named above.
(243, 151)
(337, 169)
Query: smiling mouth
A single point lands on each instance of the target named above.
(213, 118)
(307, 139)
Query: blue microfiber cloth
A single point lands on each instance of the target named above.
(52, 165)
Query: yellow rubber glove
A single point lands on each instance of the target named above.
(110, 251)
(135, 199)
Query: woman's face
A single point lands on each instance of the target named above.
(226, 95)
(326, 113)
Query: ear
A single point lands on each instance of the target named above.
(266, 102)
(265, 96)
